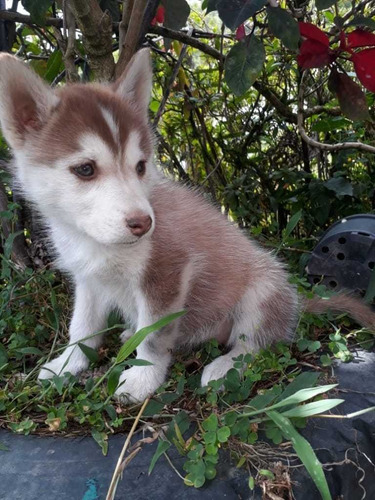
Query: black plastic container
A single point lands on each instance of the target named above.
(345, 255)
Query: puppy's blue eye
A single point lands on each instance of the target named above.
(85, 171)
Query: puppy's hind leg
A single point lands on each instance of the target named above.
(262, 317)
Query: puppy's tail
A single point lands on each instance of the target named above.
(342, 303)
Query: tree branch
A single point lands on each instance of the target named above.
(132, 36)
(96, 28)
(23, 19)
(321, 145)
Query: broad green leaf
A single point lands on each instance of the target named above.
(54, 66)
(313, 408)
(292, 223)
(153, 407)
(331, 123)
(324, 4)
(243, 64)
(102, 439)
(302, 381)
(235, 12)
(89, 352)
(37, 9)
(134, 341)
(113, 379)
(209, 5)
(296, 398)
(160, 450)
(304, 452)
(284, 26)
(363, 21)
(340, 185)
(303, 395)
(176, 13)
(8, 245)
(211, 423)
(223, 434)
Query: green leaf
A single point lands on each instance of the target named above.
(223, 434)
(160, 450)
(54, 66)
(8, 245)
(3, 447)
(58, 383)
(267, 473)
(284, 26)
(176, 13)
(37, 10)
(292, 223)
(89, 352)
(324, 4)
(313, 408)
(243, 64)
(340, 186)
(113, 379)
(235, 12)
(331, 123)
(363, 21)
(304, 451)
(251, 483)
(134, 341)
(298, 397)
(302, 381)
(153, 407)
(211, 423)
(209, 5)
(102, 439)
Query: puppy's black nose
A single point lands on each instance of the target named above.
(139, 224)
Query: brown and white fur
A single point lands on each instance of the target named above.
(134, 240)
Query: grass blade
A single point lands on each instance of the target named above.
(311, 409)
(134, 341)
(304, 451)
(297, 397)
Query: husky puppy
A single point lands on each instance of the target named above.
(130, 238)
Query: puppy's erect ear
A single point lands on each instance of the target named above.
(135, 83)
(25, 101)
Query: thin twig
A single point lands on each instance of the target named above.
(171, 80)
(322, 145)
(117, 472)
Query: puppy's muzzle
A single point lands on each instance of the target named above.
(139, 224)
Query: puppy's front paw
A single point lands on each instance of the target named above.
(216, 369)
(125, 335)
(63, 364)
(139, 382)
